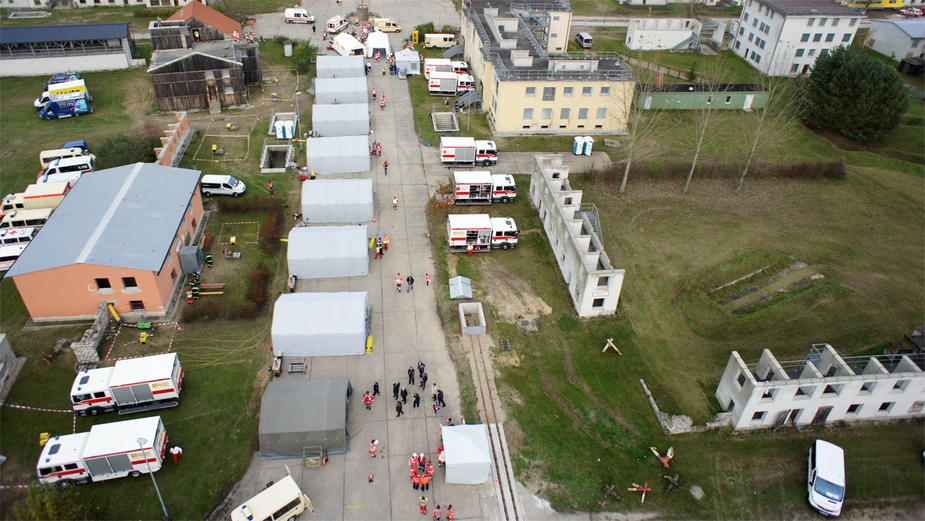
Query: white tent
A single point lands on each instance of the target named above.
(345, 119)
(338, 155)
(378, 41)
(325, 252)
(337, 200)
(341, 90)
(340, 67)
(320, 324)
(467, 453)
(408, 62)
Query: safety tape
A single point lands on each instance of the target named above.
(227, 135)
(12, 487)
(27, 408)
(220, 160)
(74, 424)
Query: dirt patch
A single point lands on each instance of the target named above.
(511, 297)
(142, 100)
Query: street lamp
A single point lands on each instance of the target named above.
(141, 445)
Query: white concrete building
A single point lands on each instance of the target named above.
(784, 37)
(897, 39)
(50, 49)
(571, 228)
(823, 388)
(662, 34)
(24, 4)
(641, 3)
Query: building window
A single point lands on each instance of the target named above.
(137, 305)
(832, 390)
(597, 303)
(854, 408)
(530, 92)
(582, 113)
(565, 113)
(741, 31)
(568, 91)
(528, 113)
(549, 93)
(603, 282)
(103, 284)
(751, 37)
(830, 37)
(900, 386)
(545, 113)
(568, 202)
(758, 416)
(817, 37)
(804, 392)
(794, 68)
(754, 22)
(835, 22)
(602, 113)
(554, 35)
(586, 91)
(812, 52)
(129, 283)
(741, 379)
(605, 91)
(852, 22)
(822, 22)
(885, 407)
(728, 100)
(805, 37)
(738, 45)
(810, 22)
(916, 408)
(823, 52)
(800, 52)
(847, 38)
(710, 98)
(745, 17)
(768, 395)
(761, 43)
(867, 387)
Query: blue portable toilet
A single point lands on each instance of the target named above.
(578, 145)
(588, 145)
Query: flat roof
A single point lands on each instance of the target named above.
(67, 449)
(811, 7)
(124, 217)
(91, 380)
(478, 221)
(119, 437)
(144, 369)
(62, 33)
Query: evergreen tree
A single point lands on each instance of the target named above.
(858, 97)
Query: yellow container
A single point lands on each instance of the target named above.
(369, 344)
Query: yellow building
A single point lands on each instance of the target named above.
(530, 84)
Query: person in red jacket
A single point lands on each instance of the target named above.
(425, 481)
(449, 512)
(417, 480)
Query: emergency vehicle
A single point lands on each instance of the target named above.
(466, 151)
(449, 83)
(108, 451)
(481, 231)
(481, 187)
(135, 385)
(437, 65)
(336, 24)
(37, 196)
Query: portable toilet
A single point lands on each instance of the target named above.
(578, 145)
(588, 145)
(284, 129)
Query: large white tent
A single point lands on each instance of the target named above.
(378, 41)
(324, 252)
(340, 67)
(467, 453)
(408, 62)
(338, 155)
(344, 119)
(320, 324)
(337, 201)
(341, 90)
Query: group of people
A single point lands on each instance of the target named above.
(438, 512)
(376, 148)
(381, 245)
(421, 471)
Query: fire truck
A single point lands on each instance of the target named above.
(449, 83)
(481, 231)
(481, 187)
(134, 385)
(108, 451)
(466, 151)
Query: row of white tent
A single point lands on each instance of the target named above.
(340, 117)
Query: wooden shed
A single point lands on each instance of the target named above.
(190, 79)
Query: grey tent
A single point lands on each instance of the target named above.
(340, 67)
(324, 252)
(341, 90)
(320, 324)
(338, 155)
(467, 453)
(344, 119)
(408, 62)
(337, 200)
(303, 413)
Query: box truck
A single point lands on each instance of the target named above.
(480, 231)
(437, 65)
(134, 385)
(108, 451)
(482, 187)
(467, 151)
(439, 41)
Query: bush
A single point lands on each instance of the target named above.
(201, 310)
(272, 228)
(260, 284)
(138, 147)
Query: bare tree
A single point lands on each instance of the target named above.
(712, 78)
(642, 120)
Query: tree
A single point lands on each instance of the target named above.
(705, 118)
(303, 55)
(51, 503)
(125, 150)
(858, 97)
(642, 123)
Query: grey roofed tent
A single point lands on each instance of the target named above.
(344, 119)
(303, 413)
(337, 200)
(322, 252)
(409, 61)
(320, 324)
(467, 453)
(340, 67)
(341, 90)
(338, 155)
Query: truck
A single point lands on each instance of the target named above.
(439, 41)
(37, 196)
(449, 83)
(66, 108)
(482, 187)
(437, 65)
(108, 451)
(346, 45)
(480, 231)
(70, 90)
(133, 385)
(467, 151)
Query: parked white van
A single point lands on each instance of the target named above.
(25, 218)
(221, 185)
(283, 500)
(336, 24)
(584, 40)
(298, 16)
(826, 478)
(47, 156)
(386, 25)
(439, 41)
(67, 169)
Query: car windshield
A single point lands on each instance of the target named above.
(829, 490)
(233, 182)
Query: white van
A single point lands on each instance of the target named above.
(386, 25)
(336, 24)
(439, 41)
(584, 40)
(9, 254)
(67, 169)
(298, 16)
(47, 156)
(283, 500)
(826, 478)
(25, 218)
(10, 236)
(221, 185)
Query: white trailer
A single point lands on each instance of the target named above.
(482, 187)
(480, 231)
(442, 83)
(437, 65)
(134, 385)
(466, 151)
(108, 451)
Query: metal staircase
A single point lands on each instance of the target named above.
(468, 99)
(590, 212)
(453, 52)
(687, 44)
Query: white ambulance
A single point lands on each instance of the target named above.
(134, 385)
(283, 500)
(480, 231)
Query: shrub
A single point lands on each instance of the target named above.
(272, 228)
(201, 310)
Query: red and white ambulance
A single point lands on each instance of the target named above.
(134, 385)
(483, 187)
(480, 231)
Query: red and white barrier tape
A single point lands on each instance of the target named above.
(27, 408)
(11, 487)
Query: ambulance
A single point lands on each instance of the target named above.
(467, 151)
(134, 385)
(483, 187)
(282, 500)
(481, 231)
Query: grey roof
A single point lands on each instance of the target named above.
(460, 287)
(125, 217)
(62, 33)
(811, 8)
(914, 28)
(222, 50)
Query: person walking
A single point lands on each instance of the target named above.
(449, 513)
(423, 381)
(376, 389)
(270, 187)
(417, 401)
(433, 391)
(385, 242)
(372, 447)
(410, 281)
(427, 279)
(425, 481)
(368, 400)
(404, 395)
(469, 249)
(374, 94)
(438, 514)
(176, 451)
(421, 367)
(422, 502)
(382, 105)
(385, 167)
(314, 29)
(397, 280)
(378, 251)
(395, 388)
(435, 407)
(394, 203)
(440, 398)
(410, 376)
(398, 409)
